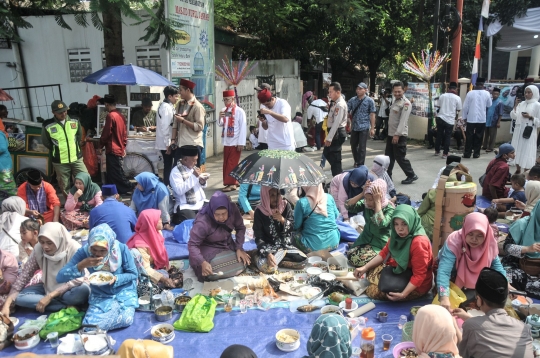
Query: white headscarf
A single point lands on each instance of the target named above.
(11, 208)
(535, 92)
(51, 265)
(380, 165)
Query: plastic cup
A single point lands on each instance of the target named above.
(53, 339)
(387, 341)
(243, 306)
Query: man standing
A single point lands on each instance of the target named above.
(362, 111)
(233, 136)
(449, 107)
(164, 121)
(337, 121)
(145, 120)
(381, 131)
(189, 121)
(316, 111)
(276, 119)
(493, 120)
(118, 216)
(62, 136)
(40, 197)
(114, 139)
(263, 144)
(474, 113)
(398, 129)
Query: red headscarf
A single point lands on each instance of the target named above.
(264, 206)
(146, 235)
(470, 261)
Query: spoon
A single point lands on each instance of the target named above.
(220, 273)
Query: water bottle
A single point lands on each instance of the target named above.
(78, 346)
(402, 321)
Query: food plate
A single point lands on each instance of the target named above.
(205, 175)
(301, 278)
(14, 320)
(309, 292)
(297, 303)
(100, 278)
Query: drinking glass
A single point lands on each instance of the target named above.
(402, 321)
(243, 306)
(53, 339)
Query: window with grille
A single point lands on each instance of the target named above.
(80, 64)
(104, 62)
(149, 57)
(5, 43)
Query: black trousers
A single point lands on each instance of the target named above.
(444, 134)
(116, 175)
(397, 153)
(168, 164)
(459, 137)
(358, 146)
(262, 146)
(333, 152)
(475, 136)
(432, 136)
(381, 127)
(182, 215)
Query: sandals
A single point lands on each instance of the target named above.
(229, 188)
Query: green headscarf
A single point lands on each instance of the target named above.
(89, 192)
(400, 247)
(330, 337)
(526, 231)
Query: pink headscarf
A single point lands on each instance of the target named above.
(381, 184)
(470, 261)
(264, 206)
(146, 235)
(434, 332)
(305, 98)
(317, 196)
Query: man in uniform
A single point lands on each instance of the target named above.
(145, 119)
(398, 129)
(62, 135)
(337, 121)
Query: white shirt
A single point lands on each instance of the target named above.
(382, 108)
(254, 141)
(280, 135)
(180, 187)
(164, 118)
(299, 136)
(436, 183)
(475, 106)
(449, 105)
(314, 111)
(239, 128)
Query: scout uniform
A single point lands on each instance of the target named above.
(337, 121)
(398, 124)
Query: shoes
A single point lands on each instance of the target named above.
(444, 156)
(410, 180)
(466, 156)
(484, 148)
(431, 147)
(476, 156)
(489, 150)
(437, 154)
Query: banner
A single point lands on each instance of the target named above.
(418, 94)
(508, 96)
(193, 56)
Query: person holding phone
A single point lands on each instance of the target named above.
(527, 116)
(275, 117)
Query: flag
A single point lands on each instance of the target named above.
(485, 8)
(474, 73)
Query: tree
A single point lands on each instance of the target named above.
(13, 15)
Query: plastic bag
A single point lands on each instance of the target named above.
(457, 297)
(90, 159)
(198, 315)
(63, 321)
(181, 232)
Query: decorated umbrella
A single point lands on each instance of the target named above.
(127, 75)
(233, 74)
(4, 96)
(278, 169)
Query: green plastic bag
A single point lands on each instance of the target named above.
(64, 321)
(198, 315)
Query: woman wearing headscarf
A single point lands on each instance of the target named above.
(435, 333)
(111, 306)
(347, 185)
(8, 187)
(330, 337)
(315, 217)
(238, 351)
(51, 254)
(467, 251)
(407, 248)
(380, 168)
(147, 245)
(83, 197)
(527, 117)
(532, 194)
(378, 211)
(150, 193)
(272, 227)
(9, 270)
(213, 253)
(13, 209)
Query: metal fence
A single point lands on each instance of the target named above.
(32, 101)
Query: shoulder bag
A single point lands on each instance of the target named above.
(307, 217)
(527, 131)
(531, 266)
(392, 282)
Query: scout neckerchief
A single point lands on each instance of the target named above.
(230, 122)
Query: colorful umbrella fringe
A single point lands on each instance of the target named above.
(234, 73)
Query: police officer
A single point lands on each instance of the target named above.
(398, 129)
(62, 135)
(337, 121)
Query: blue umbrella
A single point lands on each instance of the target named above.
(127, 75)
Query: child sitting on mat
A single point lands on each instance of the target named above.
(518, 193)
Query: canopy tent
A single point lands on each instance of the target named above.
(522, 35)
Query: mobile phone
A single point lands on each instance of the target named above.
(259, 114)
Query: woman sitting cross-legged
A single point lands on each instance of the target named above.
(54, 250)
(83, 197)
(407, 248)
(467, 251)
(213, 253)
(150, 193)
(348, 185)
(272, 227)
(111, 306)
(315, 217)
(378, 211)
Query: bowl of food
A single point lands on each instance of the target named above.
(330, 309)
(313, 271)
(243, 292)
(321, 264)
(144, 302)
(313, 259)
(325, 276)
(288, 340)
(338, 265)
(95, 345)
(180, 302)
(26, 338)
(100, 278)
(405, 350)
(163, 332)
(337, 270)
(163, 313)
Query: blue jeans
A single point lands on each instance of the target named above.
(318, 130)
(31, 295)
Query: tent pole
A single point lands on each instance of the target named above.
(490, 58)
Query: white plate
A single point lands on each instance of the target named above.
(204, 175)
(327, 276)
(354, 306)
(309, 292)
(314, 259)
(95, 274)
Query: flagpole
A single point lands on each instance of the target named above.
(489, 57)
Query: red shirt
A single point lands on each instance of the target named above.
(114, 134)
(420, 262)
(497, 174)
(52, 199)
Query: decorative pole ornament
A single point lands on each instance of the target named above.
(234, 73)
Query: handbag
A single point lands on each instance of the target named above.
(531, 266)
(527, 132)
(301, 228)
(393, 282)
(198, 315)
